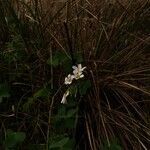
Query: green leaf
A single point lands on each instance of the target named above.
(69, 123)
(57, 59)
(4, 92)
(67, 66)
(69, 120)
(28, 104)
(73, 90)
(54, 62)
(79, 58)
(84, 86)
(1, 99)
(113, 145)
(69, 145)
(43, 93)
(62, 110)
(71, 112)
(14, 138)
(17, 49)
(36, 147)
(116, 147)
(60, 143)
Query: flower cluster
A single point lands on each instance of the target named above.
(77, 74)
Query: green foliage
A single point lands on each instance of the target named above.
(79, 58)
(64, 120)
(36, 147)
(73, 89)
(43, 93)
(65, 117)
(13, 139)
(4, 91)
(113, 146)
(84, 86)
(15, 49)
(61, 59)
(58, 59)
(28, 104)
(61, 142)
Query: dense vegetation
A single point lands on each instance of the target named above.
(107, 109)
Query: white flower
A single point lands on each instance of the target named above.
(78, 71)
(69, 78)
(64, 100)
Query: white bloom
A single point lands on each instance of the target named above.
(69, 78)
(79, 68)
(64, 100)
(78, 71)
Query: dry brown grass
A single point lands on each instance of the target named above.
(113, 38)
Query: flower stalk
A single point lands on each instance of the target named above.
(77, 74)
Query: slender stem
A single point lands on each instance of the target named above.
(49, 118)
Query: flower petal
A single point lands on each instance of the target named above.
(67, 93)
(74, 67)
(75, 72)
(79, 66)
(82, 75)
(83, 68)
(69, 78)
(64, 100)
